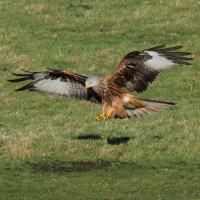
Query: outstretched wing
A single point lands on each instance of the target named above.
(58, 82)
(137, 69)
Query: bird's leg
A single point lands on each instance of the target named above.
(102, 115)
(109, 114)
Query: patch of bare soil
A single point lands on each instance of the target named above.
(62, 166)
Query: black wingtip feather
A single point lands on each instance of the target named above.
(170, 49)
(156, 48)
(20, 79)
(24, 77)
(161, 48)
(26, 87)
(22, 74)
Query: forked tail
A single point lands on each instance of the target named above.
(150, 108)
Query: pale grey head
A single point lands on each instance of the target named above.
(92, 81)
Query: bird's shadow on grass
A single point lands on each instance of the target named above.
(110, 140)
(89, 137)
(117, 140)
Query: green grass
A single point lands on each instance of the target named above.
(52, 147)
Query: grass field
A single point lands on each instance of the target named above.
(52, 147)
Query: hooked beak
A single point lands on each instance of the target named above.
(88, 85)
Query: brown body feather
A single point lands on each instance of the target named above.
(126, 105)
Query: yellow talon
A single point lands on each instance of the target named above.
(102, 115)
(109, 114)
(105, 115)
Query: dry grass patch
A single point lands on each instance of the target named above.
(36, 9)
(19, 144)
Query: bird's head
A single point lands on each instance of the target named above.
(92, 81)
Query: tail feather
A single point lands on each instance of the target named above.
(150, 108)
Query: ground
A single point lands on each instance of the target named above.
(52, 147)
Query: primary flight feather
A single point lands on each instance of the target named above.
(134, 73)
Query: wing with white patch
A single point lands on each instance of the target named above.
(58, 82)
(137, 69)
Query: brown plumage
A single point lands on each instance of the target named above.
(135, 71)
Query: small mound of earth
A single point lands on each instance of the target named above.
(62, 166)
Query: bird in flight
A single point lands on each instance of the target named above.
(133, 74)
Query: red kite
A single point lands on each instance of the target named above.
(134, 73)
